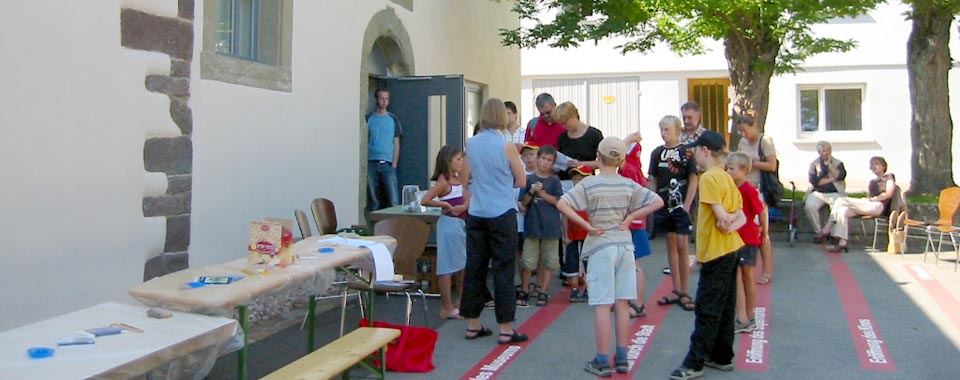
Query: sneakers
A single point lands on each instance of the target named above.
(576, 296)
(740, 327)
(622, 366)
(684, 373)
(599, 369)
(722, 367)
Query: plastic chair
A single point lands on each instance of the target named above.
(411, 236)
(898, 205)
(303, 223)
(947, 207)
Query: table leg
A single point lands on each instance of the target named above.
(311, 323)
(242, 354)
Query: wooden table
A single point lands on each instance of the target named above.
(121, 356)
(312, 276)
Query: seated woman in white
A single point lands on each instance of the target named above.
(880, 191)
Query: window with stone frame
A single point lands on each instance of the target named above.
(248, 42)
(830, 108)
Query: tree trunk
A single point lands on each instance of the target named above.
(931, 128)
(751, 58)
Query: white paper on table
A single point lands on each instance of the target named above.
(350, 242)
(382, 261)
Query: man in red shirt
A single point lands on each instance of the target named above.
(543, 130)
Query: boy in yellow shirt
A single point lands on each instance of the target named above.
(719, 216)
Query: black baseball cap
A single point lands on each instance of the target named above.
(710, 139)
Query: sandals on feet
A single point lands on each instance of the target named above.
(687, 305)
(478, 333)
(638, 311)
(522, 299)
(513, 337)
(455, 315)
(542, 299)
(666, 300)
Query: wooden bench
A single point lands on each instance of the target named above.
(340, 356)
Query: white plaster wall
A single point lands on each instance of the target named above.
(262, 153)
(74, 116)
(879, 62)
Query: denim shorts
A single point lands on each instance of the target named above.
(612, 275)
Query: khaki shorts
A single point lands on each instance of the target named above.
(546, 250)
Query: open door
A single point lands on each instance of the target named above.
(430, 109)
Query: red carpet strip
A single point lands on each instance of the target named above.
(871, 349)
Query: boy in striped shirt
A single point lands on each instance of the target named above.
(612, 202)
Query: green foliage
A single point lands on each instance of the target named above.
(783, 25)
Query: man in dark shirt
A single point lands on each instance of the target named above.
(826, 176)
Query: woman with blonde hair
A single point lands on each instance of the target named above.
(579, 142)
(495, 170)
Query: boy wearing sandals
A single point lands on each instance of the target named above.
(541, 228)
(673, 176)
(612, 202)
(719, 214)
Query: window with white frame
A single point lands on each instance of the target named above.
(830, 108)
(247, 42)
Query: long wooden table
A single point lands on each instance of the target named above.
(311, 275)
(121, 356)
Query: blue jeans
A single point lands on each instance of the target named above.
(715, 312)
(382, 189)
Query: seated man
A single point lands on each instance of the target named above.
(827, 176)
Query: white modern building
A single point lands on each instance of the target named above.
(859, 101)
(143, 135)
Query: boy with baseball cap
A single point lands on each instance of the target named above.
(612, 202)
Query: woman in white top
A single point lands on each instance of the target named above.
(752, 143)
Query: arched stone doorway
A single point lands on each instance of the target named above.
(386, 52)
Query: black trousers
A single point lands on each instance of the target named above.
(491, 240)
(712, 336)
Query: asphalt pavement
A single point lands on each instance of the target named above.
(855, 315)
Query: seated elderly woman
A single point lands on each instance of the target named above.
(880, 191)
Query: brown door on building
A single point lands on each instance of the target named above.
(711, 94)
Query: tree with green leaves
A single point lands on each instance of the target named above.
(928, 64)
(761, 37)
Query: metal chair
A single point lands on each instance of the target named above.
(947, 207)
(411, 236)
(898, 205)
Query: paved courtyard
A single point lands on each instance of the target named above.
(856, 315)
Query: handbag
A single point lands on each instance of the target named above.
(770, 185)
(412, 351)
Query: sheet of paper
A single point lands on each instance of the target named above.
(382, 261)
(350, 242)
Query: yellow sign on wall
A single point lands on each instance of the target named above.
(609, 99)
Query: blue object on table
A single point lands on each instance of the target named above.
(195, 284)
(40, 352)
(325, 250)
